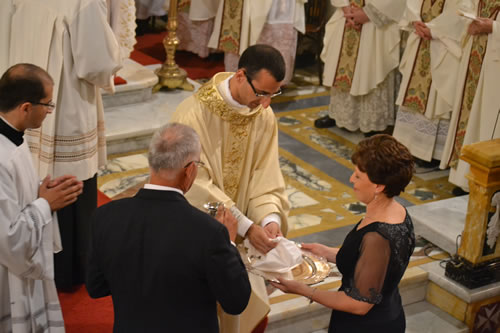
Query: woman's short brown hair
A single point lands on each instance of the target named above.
(386, 162)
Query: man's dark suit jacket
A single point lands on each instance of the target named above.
(165, 264)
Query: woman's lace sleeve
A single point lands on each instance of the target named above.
(371, 268)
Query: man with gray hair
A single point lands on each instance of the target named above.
(164, 262)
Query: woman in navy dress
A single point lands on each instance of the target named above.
(376, 252)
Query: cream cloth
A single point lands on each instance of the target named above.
(279, 261)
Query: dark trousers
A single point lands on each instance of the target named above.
(74, 225)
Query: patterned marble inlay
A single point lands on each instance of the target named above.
(314, 116)
(306, 178)
(288, 121)
(302, 221)
(423, 193)
(335, 147)
(125, 163)
(357, 208)
(299, 199)
(116, 186)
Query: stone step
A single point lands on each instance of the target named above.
(423, 317)
(138, 89)
(296, 314)
(130, 127)
(441, 222)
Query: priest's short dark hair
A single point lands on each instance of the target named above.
(258, 57)
(22, 83)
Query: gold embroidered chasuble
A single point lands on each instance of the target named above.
(487, 9)
(348, 54)
(240, 152)
(417, 91)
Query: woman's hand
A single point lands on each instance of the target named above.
(481, 25)
(422, 30)
(329, 253)
(291, 286)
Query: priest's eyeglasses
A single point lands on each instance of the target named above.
(198, 164)
(50, 105)
(261, 94)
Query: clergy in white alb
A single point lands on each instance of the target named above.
(195, 23)
(429, 66)
(241, 23)
(73, 41)
(239, 136)
(475, 115)
(361, 50)
(29, 233)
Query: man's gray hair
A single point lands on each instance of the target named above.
(173, 146)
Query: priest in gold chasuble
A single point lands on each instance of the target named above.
(361, 52)
(239, 137)
(475, 115)
(429, 67)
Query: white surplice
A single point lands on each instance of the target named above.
(121, 18)
(29, 236)
(425, 134)
(73, 41)
(195, 25)
(484, 118)
(6, 10)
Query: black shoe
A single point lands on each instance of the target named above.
(324, 122)
(457, 191)
(425, 164)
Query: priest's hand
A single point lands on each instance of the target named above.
(349, 20)
(225, 217)
(358, 16)
(329, 253)
(62, 194)
(59, 180)
(273, 230)
(259, 239)
(422, 30)
(481, 25)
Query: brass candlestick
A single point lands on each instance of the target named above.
(170, 75)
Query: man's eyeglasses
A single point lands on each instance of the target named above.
(50, 105)
(198, 164)
(261, 94)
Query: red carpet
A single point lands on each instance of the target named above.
(149, 50)
(83, 314)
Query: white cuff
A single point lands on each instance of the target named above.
(244, 223)
(274, 217)
(44, 208)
